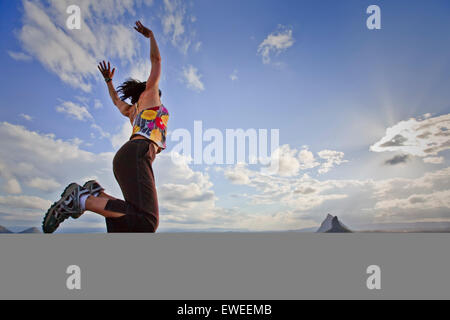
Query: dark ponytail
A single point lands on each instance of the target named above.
(132, 89)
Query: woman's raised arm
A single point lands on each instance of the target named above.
(108, 75)
(155, 56)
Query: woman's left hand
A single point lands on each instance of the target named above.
(106, 70)
(143, 30)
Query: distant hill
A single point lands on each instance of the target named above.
(4, 230)
(31, 230)
(332, 224)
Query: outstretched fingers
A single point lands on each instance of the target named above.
(139, 27)
(105, 69)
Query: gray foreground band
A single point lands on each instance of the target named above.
(225, 266)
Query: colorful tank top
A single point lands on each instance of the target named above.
(152, 124)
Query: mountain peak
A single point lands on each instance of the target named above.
(326, 224)
(331, 224)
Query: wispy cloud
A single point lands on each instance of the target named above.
(46, 185)
(12, 186)
(81, 113)
(275, 43)
(19, 56)
(192, 78)
(73, 55)
(176, 22)
(26, 202)
(74, 111)
(234, 76)
(26, 116)
(98, 104)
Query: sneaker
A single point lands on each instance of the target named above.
(94, 187)
(68, 206)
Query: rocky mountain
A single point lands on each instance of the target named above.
(4, 230)
(326, 224)
(332, 224)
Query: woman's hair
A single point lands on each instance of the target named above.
(132, 89)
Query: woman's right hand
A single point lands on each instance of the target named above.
(106, 70)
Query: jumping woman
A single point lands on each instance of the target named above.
(132, 165)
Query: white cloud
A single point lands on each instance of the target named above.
(74, 111)
(333, 158)
(288, 162)
(44, 164)
(234, 76)
(185, 196)
(173, 20)
(238, 175)
(73, 55)
(275, 43)
(26, 116)
(176, 25)
(434, 160)
(122, 136)
(193, 79)
(10, 183)
(436, 200)
(307, 159)
(101, 132)
(141, 70)
(198, 46)
(47, 185)
(19, 56)
(81, 113)
(98, 104)
(417, 137)
(12, 186)
(356, 201)
(25, 202)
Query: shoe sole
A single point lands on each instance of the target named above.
(64, 195)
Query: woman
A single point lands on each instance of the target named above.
(133, 162)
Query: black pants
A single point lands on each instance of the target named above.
(132, 167)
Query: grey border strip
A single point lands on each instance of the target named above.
(225, 266)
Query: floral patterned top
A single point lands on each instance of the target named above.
(152, 124)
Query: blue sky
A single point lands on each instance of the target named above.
(339, 93)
